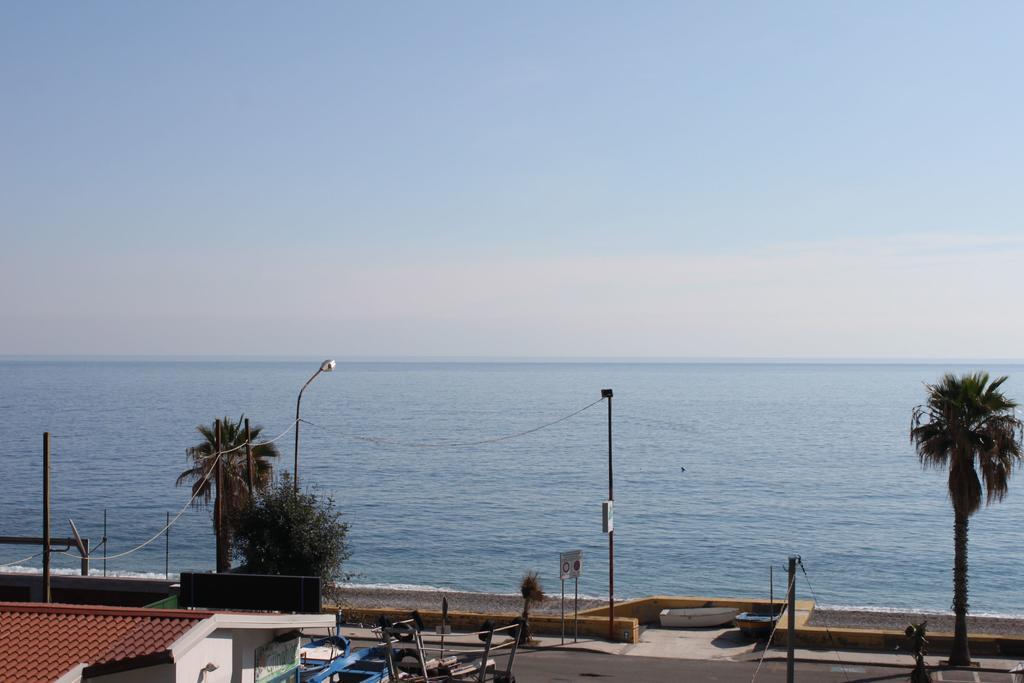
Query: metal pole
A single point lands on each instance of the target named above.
(248, 456)
(295, 469)
(444, 622)
(85, 557)
(46, 516)
(576, 612)
(295, 472)
(607, 393)
(563, 611)
(217, 503)
(104, 541)
(791, 620)
(167, 548)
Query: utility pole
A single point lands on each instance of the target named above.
(46, 516)
(104, 541)
(218, 512)
(167, 548)
(791, 619)
(607, 394)
(248, 458)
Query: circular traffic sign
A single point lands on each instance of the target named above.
(565, 567)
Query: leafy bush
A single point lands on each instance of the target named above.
(292, 532)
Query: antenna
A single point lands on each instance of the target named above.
(78, 538)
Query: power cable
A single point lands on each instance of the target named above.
(778, 620)
(827, 630)
(167, 526)
(24, 559)
(382, 441)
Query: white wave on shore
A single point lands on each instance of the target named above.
(69, 571)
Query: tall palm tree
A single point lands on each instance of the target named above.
(968, 426)
(234, 474)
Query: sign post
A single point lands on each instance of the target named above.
(570, 566)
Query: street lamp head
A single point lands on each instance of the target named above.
(327, 365)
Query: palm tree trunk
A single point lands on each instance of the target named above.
(960, 654)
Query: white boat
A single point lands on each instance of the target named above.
(697, 617)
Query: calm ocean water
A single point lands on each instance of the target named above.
(808, 459)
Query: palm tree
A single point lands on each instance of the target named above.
(234, 474)
(968, 426)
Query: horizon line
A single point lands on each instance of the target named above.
(710, 360)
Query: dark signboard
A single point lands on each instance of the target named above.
(256, 592)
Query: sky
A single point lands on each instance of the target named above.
(529, 179)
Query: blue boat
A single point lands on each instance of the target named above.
(402, 655)
(330, 660)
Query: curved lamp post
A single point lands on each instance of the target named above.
(326, 366)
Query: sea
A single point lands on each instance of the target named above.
(464, 475)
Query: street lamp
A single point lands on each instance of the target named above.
(326, 366)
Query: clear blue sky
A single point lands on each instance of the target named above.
(812, 179)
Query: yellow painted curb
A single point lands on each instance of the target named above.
(626, 629)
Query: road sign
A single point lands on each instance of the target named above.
(570, 564)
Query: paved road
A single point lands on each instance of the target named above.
(552, 666)
(574, 666)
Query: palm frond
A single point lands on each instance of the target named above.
(968, 425)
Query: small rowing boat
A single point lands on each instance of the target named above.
(756, 625)
(697, 617)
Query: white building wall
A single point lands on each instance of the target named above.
(231, 650)
(214, 650)
(245, 643)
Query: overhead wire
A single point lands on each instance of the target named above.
(383, 441)
(195, 494)
(775, 627)
(371, 439)
(827, 629)
(24, 559)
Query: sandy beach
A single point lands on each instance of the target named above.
(463, 601)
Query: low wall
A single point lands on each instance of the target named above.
(939, 642)
(626, 629)
(647, 610)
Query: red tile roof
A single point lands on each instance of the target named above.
(40, 642)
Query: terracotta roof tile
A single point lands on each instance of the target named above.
(41, 642)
